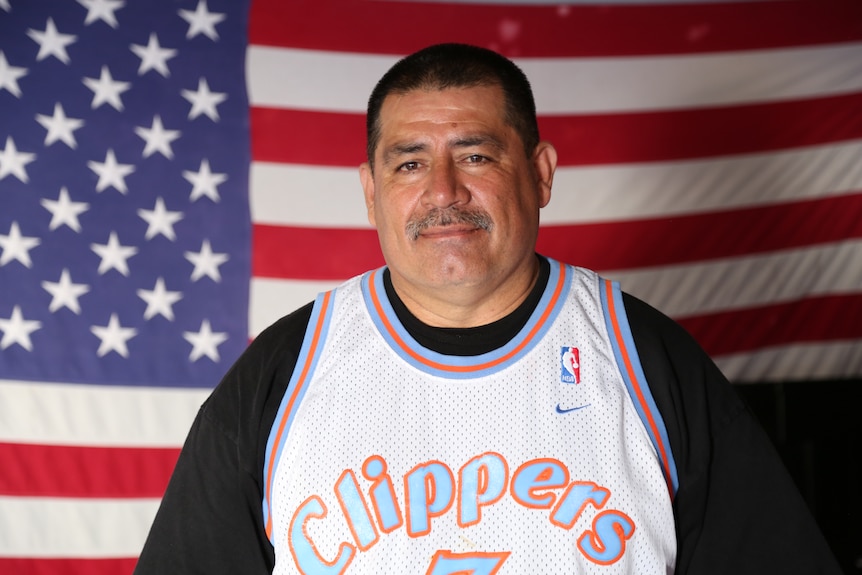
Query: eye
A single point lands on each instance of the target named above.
(408, 167)
(476, 159)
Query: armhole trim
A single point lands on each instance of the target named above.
(632, 372)
(312, 344)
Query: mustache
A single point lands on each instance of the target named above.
(439, 217)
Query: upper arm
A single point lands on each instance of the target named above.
(207, 522)
(737, 509)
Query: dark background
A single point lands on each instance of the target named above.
(816, 428)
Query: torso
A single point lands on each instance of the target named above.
(387, 457)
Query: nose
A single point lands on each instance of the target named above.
(444, 186)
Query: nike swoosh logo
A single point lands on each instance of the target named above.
(571, 409)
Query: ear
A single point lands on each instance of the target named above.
(366, 176)
(544, 164)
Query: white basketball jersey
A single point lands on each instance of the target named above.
(544, 456)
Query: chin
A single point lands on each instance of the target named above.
(460, 274)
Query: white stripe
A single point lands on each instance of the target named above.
(96, 415)
(270, 299)
(659, 190)
(745, 282)
(288, 194)
(342, 82)
(284, 194)
(311, 79)
(74, 528)
(799, 362)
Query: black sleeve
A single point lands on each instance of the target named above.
(737, 509)
(210, 519)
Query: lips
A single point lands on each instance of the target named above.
(448, 230)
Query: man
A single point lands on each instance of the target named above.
(474, 407)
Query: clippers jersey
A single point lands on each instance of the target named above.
(547, 455)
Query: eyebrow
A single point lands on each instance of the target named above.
(478, 140)
(398, 150)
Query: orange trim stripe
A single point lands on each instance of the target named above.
(637, 388)
(309, 359)
(465, 368)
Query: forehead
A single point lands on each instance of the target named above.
(433, 109)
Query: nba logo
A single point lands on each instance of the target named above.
(570, 360)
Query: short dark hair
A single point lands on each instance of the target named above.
(443, 66)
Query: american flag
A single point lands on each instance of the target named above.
(176, 175)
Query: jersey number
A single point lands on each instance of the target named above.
(448, 563)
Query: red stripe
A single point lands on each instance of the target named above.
(543, 31)
(703, 132)
(683, 239)
(63, 471)
(313, 253)
(45, 566)
(811, 320)
(338, 139)
(331, 254)
(306, 137)
(709, 236)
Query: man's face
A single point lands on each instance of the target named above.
(453, 196)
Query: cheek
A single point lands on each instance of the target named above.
(396, 209)
(504, 203)
(390, 222)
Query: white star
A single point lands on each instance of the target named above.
(16, 329)
(153, 56)
(12, 161)
(159, 300)
(102, 10)
(60, 127)
(65, 293)
(106, 90)
(204, 342)
(160, 220)
(9, 76)
(203, 101)
(157, 138)
(113, 336)
(111, 173)
(64, 210)
(206, 262)
(202, 21)
(17, 247)
(114, 255)
(51, 42)
(204, 182)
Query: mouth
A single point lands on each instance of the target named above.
(447, 232)
(448, 223)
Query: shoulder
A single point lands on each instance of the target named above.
(271, 354)
(655, 331)
(682, 377)
(282, 337)
(668, 352)
(273, 350)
